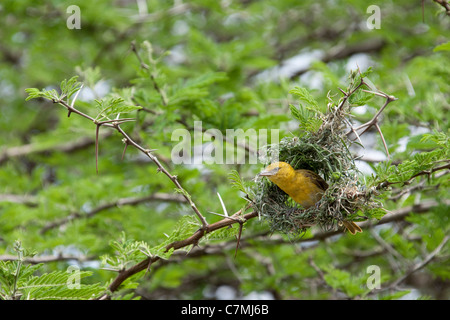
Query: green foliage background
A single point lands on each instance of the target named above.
(208, 59)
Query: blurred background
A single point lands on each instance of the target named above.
(229, 64)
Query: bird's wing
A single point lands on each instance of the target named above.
(318, 180)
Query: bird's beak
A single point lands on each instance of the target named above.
(269, 172)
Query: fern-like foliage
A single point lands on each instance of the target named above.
(18, 282)
(306, 114)
(68, 89)
(129, 251)
(420, 163)
(59, 285)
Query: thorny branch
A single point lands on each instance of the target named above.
(129, 141)
(374, 121)
(192, 240)
(236, 218)
(445, 5)
(274, 240)
(386, 184)
(240, 216)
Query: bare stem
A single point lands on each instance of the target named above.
(374, 121)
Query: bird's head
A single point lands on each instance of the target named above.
(278, 171)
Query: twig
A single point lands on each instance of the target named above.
(395, 215)
(192, 240)
(418, 266)
(398, 193)
(151, 74)
(121, 202)
(47, 258)
(116, 125)
(390, 250)
(445, 5)
(167, 173)
(386, 184)
(219, 248)
(374, 121)
(67, 146)
(228, 221)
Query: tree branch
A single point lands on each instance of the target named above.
(47, 258)
(417, 266)
(445, 5)
(386, 184)
(192, 240)
(396, 215)
(374, 121)
(67, 146)
(116, 125)
(121, 202)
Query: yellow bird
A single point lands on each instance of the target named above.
(303, 186)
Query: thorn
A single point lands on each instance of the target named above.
(115, 122)
(359, 69)
(148, 266)
(223, 205)
(382, 139)
(229, 217)
(96, 147)
(192, 248)
(124, 149)
(345, 93)
(76, 95)
(381, 94)
(239, 238)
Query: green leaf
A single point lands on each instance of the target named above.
(305, 96)
(343, 280)
(69, 87)
(34, 93)
(395, 295)
(360, 98)
(308, 119)
(236, 181)
(296, 113)
(57, 286)
(442, 47)
(112, 106)
(90, 75)
(376, 213)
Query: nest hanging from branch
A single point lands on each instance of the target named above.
(324, 150)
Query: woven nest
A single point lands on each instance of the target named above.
(326, 153)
